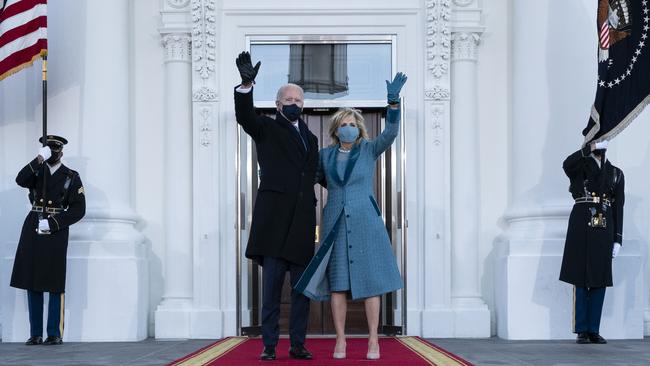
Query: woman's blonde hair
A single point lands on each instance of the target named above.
(339, 116)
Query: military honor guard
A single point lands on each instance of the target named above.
(594, 235)
(58, 201)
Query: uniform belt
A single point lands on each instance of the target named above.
(593, 200)
(52, 210)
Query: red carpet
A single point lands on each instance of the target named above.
(236, 351)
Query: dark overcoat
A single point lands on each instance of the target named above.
(40, 262)
(587, 260)
(284, 216)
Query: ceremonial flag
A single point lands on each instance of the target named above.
(23, 34)
(623, 88)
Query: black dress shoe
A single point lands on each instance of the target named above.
(583, 338)
(300, 353)
(32, 341)
(51, 341)
(596, 338)
(268, 354)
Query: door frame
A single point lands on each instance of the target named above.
(398, 163)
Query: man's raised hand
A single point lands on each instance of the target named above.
(246, 69)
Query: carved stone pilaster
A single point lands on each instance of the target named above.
(464, 46)
(437, 93)
(204, 32)
(438, 36)
(177, 47)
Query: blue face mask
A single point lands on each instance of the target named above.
(348, 133)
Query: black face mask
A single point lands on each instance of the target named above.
(291, 112)
(56, 156)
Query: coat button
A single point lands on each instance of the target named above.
(350, 246)
(347, 215)
(351, 262)
(349, 231)
(49, 202)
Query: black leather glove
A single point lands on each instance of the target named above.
(246, 69)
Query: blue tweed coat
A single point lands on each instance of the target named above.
(373, 267)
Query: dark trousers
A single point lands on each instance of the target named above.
(588, 309)
(274, 270)
(55, 308)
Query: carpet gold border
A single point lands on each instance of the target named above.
(212, 353)
(430, 353)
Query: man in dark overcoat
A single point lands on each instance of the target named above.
(284, 217)
(40, 262)
(594, 235)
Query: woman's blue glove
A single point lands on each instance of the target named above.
(393, 88)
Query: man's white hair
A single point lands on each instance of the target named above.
(284, 87)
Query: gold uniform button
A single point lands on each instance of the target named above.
(49, 202)
(41, 200)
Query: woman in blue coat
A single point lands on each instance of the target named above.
(356, 258)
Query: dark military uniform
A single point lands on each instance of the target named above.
(40, 262)
(595, 224)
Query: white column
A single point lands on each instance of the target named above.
(472, 315)
(550, 106)
(173, 313)
(106, 253)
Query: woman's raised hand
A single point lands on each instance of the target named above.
(393, 88)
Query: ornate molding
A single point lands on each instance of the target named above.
(438, 36)
(204, 94)
(463, 3)
(464, 46)
(438, 114)
(206, 127)
(177, 47)
(437, 93)
(204, 31)
(178, 4)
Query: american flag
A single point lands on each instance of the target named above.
(23, 34)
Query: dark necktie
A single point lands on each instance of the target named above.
(297, 132)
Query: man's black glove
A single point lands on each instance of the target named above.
(246, 69)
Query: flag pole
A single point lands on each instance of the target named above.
(44, 100)
(43, 198)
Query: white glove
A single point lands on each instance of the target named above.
(602, 145)
(43, 225)
(45, 152)
(615, 250)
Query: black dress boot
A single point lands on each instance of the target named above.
(32, 341)
(300, 352)
(596, 338)
(583, 338)
(52, 341)
(268, 354)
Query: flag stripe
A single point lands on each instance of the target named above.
(22, 18)
(23, 34)
(19, 7)
(21, 43)
(21, 30)
(604, 35)
(22, 59)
